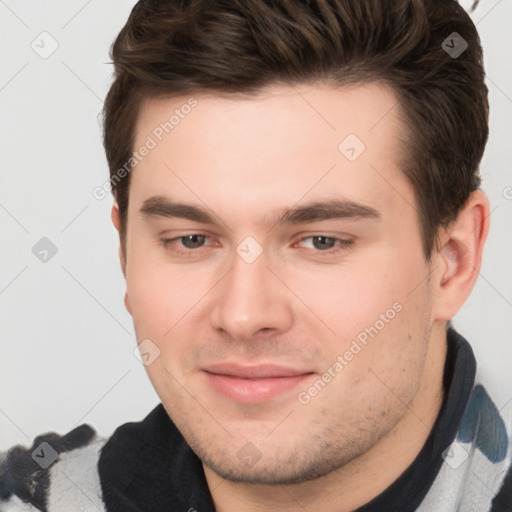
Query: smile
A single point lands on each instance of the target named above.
(253, 384)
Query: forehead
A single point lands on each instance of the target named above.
(277, 146)
(367, 110)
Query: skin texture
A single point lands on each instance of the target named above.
(303, 301)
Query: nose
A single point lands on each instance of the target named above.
(251, 301)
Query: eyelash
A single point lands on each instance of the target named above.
(341, 244)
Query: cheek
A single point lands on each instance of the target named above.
(382, 369)
(161, 300)
(394, 352)
(160, 294)
(167, 304)
(376, 316)
(345, 300)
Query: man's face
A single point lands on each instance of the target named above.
(287, 348)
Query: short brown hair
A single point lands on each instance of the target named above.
(176, 47)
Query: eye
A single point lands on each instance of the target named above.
(323, 243)
(186, 244)
(192, 241)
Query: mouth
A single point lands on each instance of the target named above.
(253, 384)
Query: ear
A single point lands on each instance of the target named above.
(458, 257)
(116, 220)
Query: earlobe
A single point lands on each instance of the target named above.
(127, 303)
(116, 216)
(459, 256)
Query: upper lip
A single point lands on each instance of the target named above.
(261, 371)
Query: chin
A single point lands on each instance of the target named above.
(250, 465)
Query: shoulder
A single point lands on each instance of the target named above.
(57, 472)
(476, 473)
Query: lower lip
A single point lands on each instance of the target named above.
(254, 390)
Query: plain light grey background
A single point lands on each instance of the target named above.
(66, 353)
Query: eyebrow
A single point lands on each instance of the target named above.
(159, 206)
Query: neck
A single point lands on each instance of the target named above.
(364, 478)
